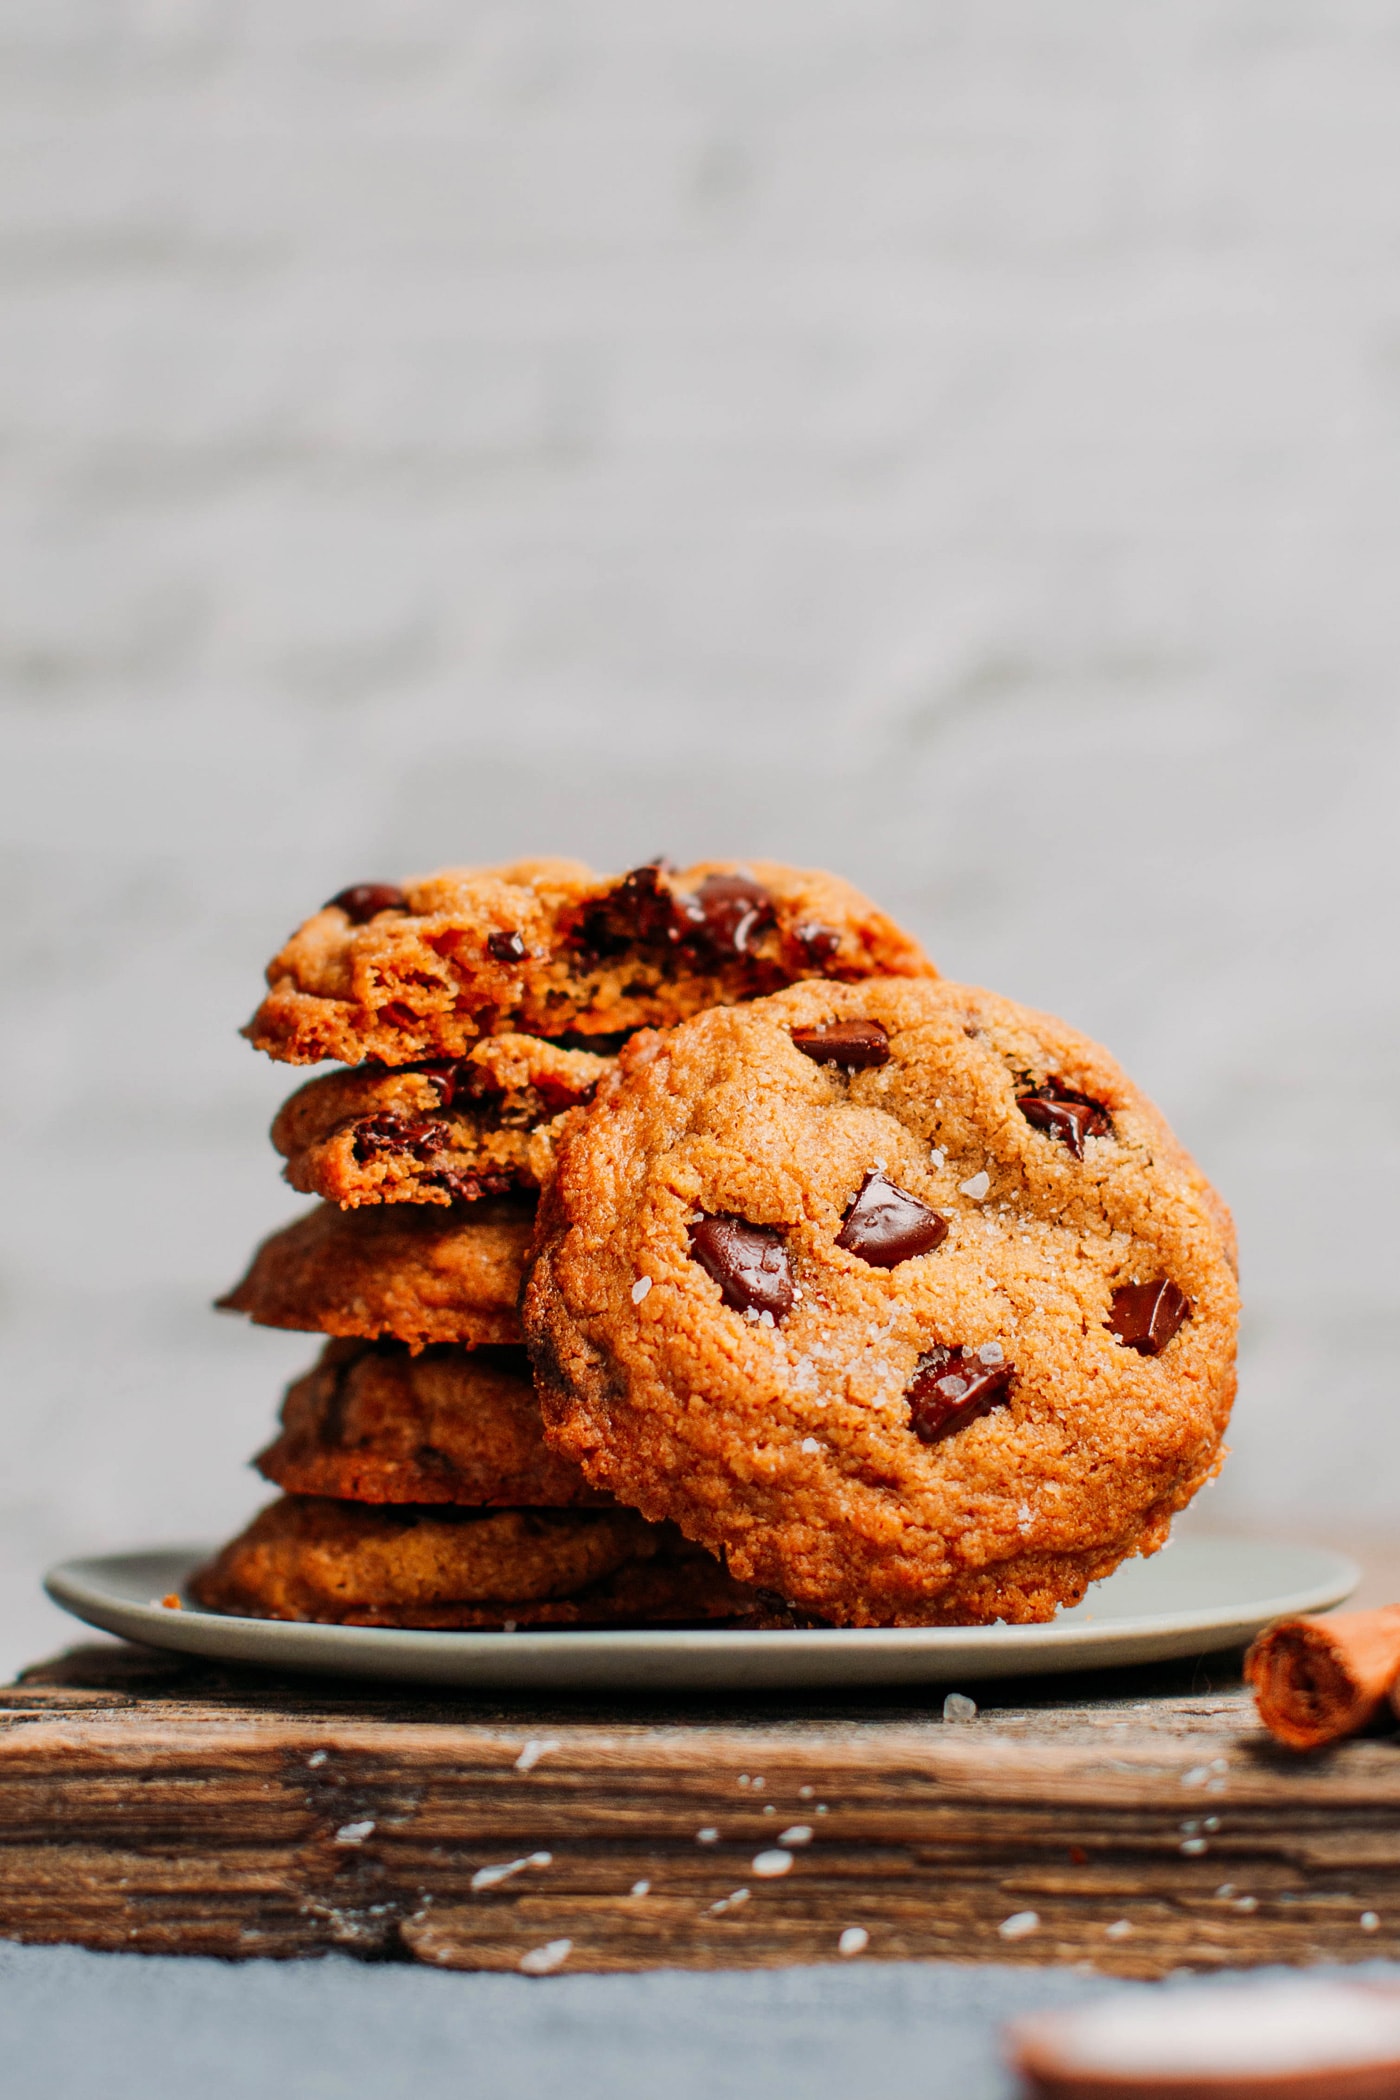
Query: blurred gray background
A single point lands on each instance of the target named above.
(954, 441)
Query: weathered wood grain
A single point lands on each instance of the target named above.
(1143, 1818)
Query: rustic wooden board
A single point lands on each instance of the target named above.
(152, 1804)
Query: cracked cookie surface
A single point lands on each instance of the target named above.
(550, 948)
(342, 1563)
(902, 1331)
(413, 1272)
(451, 1132)
(370, 1422)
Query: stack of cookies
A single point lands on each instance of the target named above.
(473, 1015)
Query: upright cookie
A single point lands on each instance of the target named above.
(549, 948)
(373, 1423)
(441, 1133)
(418, 1274)
(899, 1295)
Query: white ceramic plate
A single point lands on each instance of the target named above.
(1201, 1594)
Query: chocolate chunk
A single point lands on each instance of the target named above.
(470, 1188)
(885, 1226)
(750, 1263)
(505, 947)
(1145, 1316)
(557, 1094)
(418, 1139)
(858, 1045)
(639, 911)
(817, 942)
(952, 1387)
(448, 1078)
(726, 915)
(1063, 1114)
(364, 899)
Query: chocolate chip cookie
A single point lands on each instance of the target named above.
(549, 948)
(344, 1564)
(443, 1133)
(414, 1272)
(897, 1294)
(374, 1423)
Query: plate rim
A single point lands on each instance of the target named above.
(78, 1587)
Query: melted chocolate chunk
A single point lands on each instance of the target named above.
(726, 915)
(364, 899)
(817, 942)
(885, 1226)
(1063, 1114)
(858, 1045)
(556, 1095)
(470, 1188)
(1145, 1316)
(418, 1139)
(448, 1078)
(639, 911)
(505, 947)
(750, 1263)
(952, 1387)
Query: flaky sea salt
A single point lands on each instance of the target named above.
(641, 1888)
(796, 1834)
(938, 1158)
(492, 1877)
(976, 1185)
(537, 1747)
(768, 1865)
(353, 1833)
(640, 1289)
(809, 1443)
(991, 1353)
(543, 1961)
(1019, 1925)
(854, 1940)
(708, 1836)
(958, 1707)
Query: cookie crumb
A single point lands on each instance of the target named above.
(172, 1601)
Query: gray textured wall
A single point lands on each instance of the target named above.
(951, 440)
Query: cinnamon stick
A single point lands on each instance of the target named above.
(1317, 1679)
